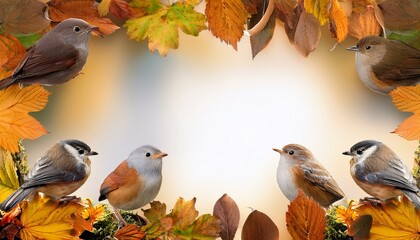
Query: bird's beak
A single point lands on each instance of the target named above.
(353, 48)
(95, 31)
(278, 150)
(159, 155)
(92, 153)
(348, 153)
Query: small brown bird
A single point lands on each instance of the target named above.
(380, 172)
(384, 65)
(298, 169)
(57, 57)
(135, 182)
(62, 170)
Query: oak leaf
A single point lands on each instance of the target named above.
(87, 10)
(22, 17)
(44, 218)
(227, 211)
(11, 52)
(305, 218)
(226, 20)
(8, 178)
(259, 226)
(397, 219)
(15, 123)
(407, 99)
(364, 23)
(129, 232)
(338, 20)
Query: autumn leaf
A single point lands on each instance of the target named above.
(161, 26)
(226, 20)
(260, 40)
(284, 10)
(407, 99)
(11, 52)
(360, 227)
(129, 232)
(411, 37)
(338, 20)
(398, 219)
(15, 123)
(259, 226)
(364, 23)
(118, 8)
(156, 211)
(319, 8)
(184, 213)
(308, 34)
(17, 17)
(44, 218)
(305, 219)
(401, 14)
(227, 211)
(8, 178)
(87, 10)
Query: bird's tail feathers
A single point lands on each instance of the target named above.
(414, 197)
(15, 198)
(4, 83)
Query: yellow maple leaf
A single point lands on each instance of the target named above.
(44, 218)
(11, 51)
(407, 99)
(15, 123)
(8, 177)
(339, 19)
(398, 219)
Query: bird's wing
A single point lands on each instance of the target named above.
(46, 172)
(114, 180)
(396, 175)
(38, 62)
(319, 176)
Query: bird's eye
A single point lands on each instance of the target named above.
(368, 47)
(81, 151)
(291, 152)
(148, 154)
(76, 29)
(360, 151)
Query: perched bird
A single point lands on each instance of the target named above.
(380, 172)
(384, 65)
(57, 57)
(135, 182)
(62, 170)
(298, 169)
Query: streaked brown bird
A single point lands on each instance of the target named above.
(57, 57)
(299, 169)
(384, 65)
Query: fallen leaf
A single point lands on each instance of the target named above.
(339, 21)
(401, 14)
(398, 219)
(284, 10)
(15, 123)
(184, 213)
(11, 52)
(226, 20)
(9, 232)
(260, 40)
(259, 226)
(10, 217)
(129, 232)
(8, 177)
(118, 8)
(406, 98)
(156, 211)
(22, 17)
(360, 227)
(364, 23)
(44, 218)
(291, 28)
(319, 8)
(308, 34)
(87, 10)
(305, 218)
(205, 227)
(409, 128)
(226, 210)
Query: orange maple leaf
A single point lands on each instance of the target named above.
(87, 10)
(15, 123)
(364, 23)
(11, 51)
(407, 99)
(338, 19)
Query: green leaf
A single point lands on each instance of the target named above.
(411, 37)
(149, 6)
(186, 18)
(28, 40)
(8, 178)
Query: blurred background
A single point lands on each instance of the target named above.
(218, 114)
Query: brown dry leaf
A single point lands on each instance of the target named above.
(118, 8)
(129, 232)
(409, 128)
(15, 123)
(401, 14)
(362, 24)
(291, 28)
(10, 216)
(394, 220)
(259, 226)
(226, 20)
(338, 21)
(18, 17)
(11, 52)
(406, 98)
(308, 34)
(226, 210)
(305, 219)
(87, 10)
(360, 227)
(284, 10)
(260, 40)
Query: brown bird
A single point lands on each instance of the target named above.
(384, 65)
(298, 169)
(57, 57)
